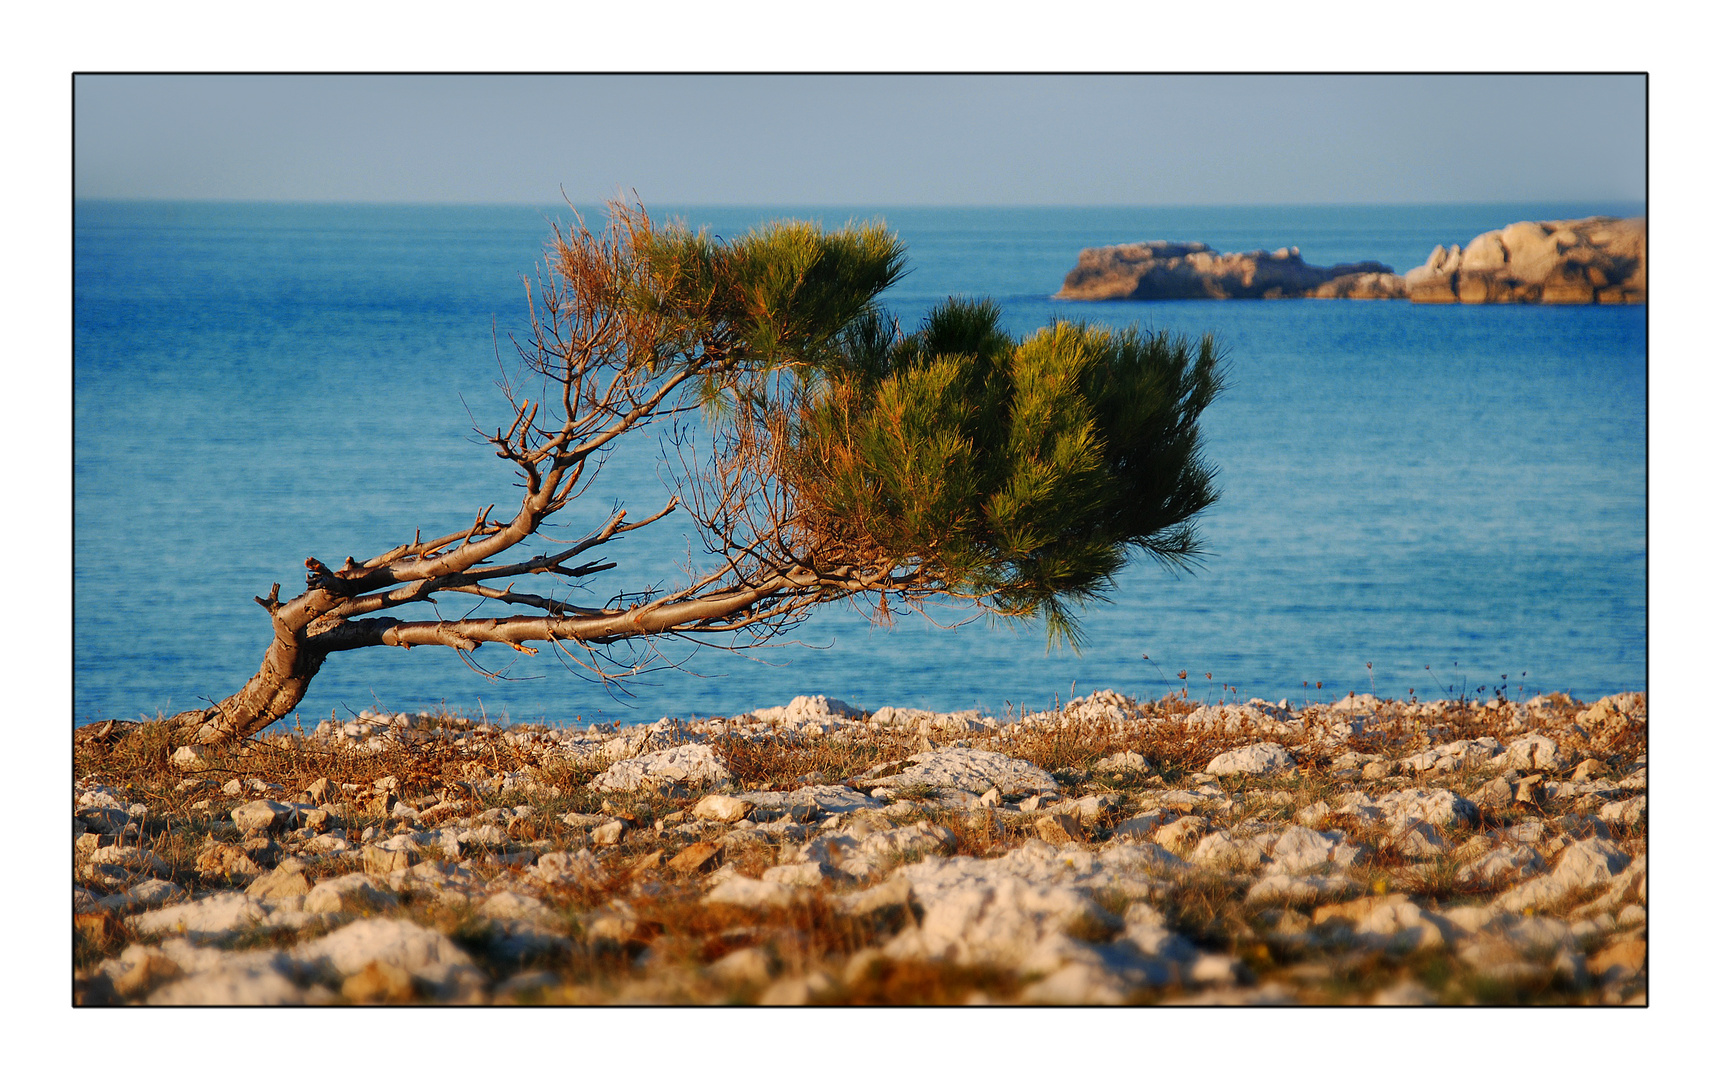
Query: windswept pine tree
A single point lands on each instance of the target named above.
(838, 458)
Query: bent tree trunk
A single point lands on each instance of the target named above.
(301, 645)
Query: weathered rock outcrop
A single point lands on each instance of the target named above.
(1165, 270)
(1596, 260)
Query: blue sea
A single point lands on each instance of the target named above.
(1414, 498)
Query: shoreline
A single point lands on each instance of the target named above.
(1114, 851)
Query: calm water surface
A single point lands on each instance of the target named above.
(1453, 494)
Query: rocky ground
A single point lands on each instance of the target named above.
(1108, 852)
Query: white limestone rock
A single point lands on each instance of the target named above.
(394, 853)
(509, 904)
(1233, 850)
(187, 758)
(804, 874)
(858, 851)
(742, 891)
(973, 771)
(808, 708)
(430, 957)
(1260, 759)
(1256, 716)
(243, 981)
(690, 763)
(262, 815)
(1125, 761)
(119, 867)
(1625, 812)
(1508, 863)
(353, 893)
(1142, 826)
(214, 918)
(1301, 850)
(721, 808)
(1583, 864)
(808, 803)
(1438, 807)
(1533, 753)
(151, 892)
(748, 966)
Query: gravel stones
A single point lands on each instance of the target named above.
(1045, 915)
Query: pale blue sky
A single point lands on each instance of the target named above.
(886, 140)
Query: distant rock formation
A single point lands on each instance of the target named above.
(1596, 260)
(1165, 270)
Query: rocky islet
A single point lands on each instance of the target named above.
(1595, 260)
(1345, 852)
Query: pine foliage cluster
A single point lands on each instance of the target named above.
(1019, 473)
(959, 459)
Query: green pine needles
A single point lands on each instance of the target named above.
(1017, 473)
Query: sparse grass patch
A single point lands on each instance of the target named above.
(786, 762)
